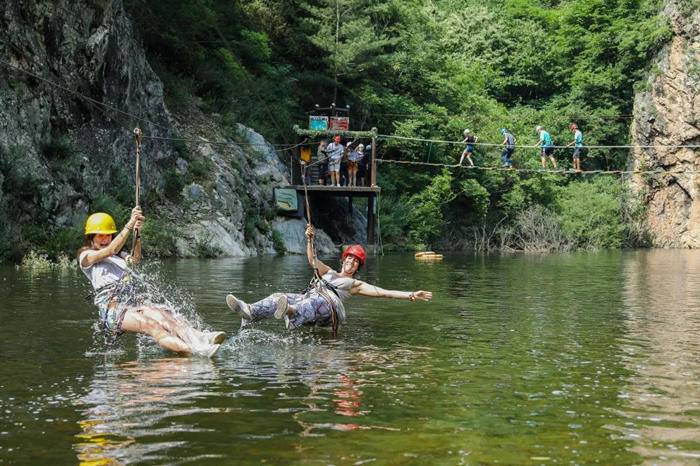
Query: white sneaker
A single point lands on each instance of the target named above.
(282, 306)
(236, 305)
(206, 351)
(215, 338)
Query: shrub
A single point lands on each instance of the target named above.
(204, 248)
(57, 148)
(590, 213)
(173, 182)
(158, 237)
(200, 169)
(426, 214)
(278, 243)
(108, 205)
(536, 229)
(63, 242)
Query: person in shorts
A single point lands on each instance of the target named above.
(508, 148)
(578, 146)
(547, 147)
(469, 140)
(335, 152)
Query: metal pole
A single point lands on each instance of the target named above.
(373, 174)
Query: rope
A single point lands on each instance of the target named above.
(104, 107)
(284, 147)
(537, 146)
(137, 139)
(317, 281)
(82, 96)
(535, 170)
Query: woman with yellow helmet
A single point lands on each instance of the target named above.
(107, 267)
(322, 303)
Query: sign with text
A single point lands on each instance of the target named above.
(318, 123)
(340, 123)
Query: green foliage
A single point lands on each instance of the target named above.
(158, 237)
(427, 69)
(394, 214)
(426, 214)
(57, 148)
(478, 194)
(205, 248)
(590, 213)
(109, 205)
(64, 242)
(173, 182)
(278, 243)
(200, 169)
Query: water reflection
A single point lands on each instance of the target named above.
(132, 401)
(662, 351)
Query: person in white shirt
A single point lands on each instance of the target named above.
(108, 268)
(335, 152)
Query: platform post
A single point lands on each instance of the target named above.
(373, 172)
(371, 219)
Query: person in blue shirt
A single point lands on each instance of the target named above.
(508, 148)
(547, 146)
(578, 145)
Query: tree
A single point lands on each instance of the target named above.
(345, 31)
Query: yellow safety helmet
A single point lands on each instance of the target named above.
(100, 224)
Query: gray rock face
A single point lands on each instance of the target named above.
(668, 113)
(292, 233)
(60, 152)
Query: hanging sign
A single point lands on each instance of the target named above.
(286, 199)
(318, 123)
(340, 123)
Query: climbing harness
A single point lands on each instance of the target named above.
(317, 282)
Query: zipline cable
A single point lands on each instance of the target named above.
(492, 144)
(284, 147)
(536, 170)
(103, 107)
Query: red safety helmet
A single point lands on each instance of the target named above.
(337, 139)
(355, 251)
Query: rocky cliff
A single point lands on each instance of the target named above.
(667, 113)
(74, 82)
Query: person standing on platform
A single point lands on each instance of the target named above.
(354, 160)
(363, 170)
(335, 152)
(322, 158)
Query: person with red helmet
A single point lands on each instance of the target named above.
(322, 303)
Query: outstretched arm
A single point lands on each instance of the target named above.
(366, 289)
(311, 254)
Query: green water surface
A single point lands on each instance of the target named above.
(561, 359)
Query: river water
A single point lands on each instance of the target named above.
(559, 359)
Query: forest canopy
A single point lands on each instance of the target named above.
(429, 69)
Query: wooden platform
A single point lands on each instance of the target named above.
(347, 191)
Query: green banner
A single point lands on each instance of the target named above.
(286, 199)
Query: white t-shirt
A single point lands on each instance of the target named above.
(335, 151)
(342, 285)
(106, 272)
